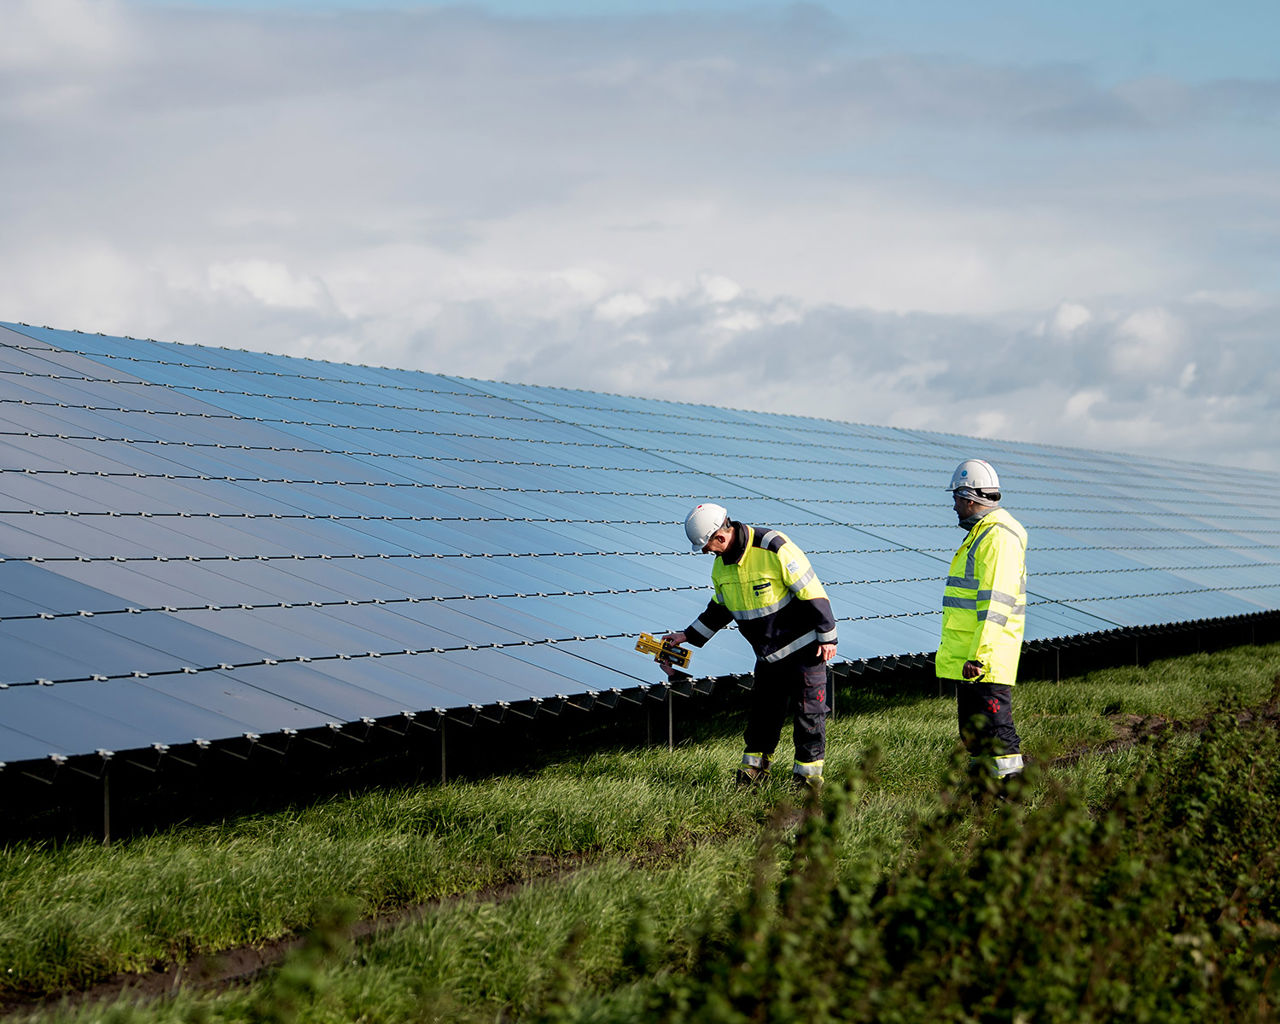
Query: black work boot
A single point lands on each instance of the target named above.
(748, 776)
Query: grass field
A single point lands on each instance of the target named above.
(614, 862)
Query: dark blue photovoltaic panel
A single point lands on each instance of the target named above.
(67, 723)
(201, 543)
(18, 746)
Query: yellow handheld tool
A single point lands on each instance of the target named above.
(663, 651)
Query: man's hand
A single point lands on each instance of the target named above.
(826, 651)
(972, 669)
(675, 639)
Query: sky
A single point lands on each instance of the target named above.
(1019, 220)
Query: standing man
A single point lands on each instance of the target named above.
(984, 612)
(765, 584)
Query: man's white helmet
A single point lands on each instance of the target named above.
(975, 475)
(702, 522)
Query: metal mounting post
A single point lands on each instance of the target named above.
(671, 720)
(106, 804)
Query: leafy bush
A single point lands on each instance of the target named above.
(1162, 907)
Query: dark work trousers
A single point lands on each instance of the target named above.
(794, 686)
(985, 711)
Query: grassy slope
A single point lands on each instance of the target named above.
(76, 913)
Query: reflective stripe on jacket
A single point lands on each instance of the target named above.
(771, 592)
(984, 606)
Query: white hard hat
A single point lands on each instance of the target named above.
(976, 475)
(702, 522)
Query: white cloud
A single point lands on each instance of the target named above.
(1157, 328)
(567, 202)
(40, 34)
(1079, 405)
(1068, 318)
(1148, 343)
(622, 307)
(739, 321)
(719, 288)
(56, 56)
(583, 281)
(272, 284)
(1232, 299)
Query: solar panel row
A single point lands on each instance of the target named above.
(199, 543)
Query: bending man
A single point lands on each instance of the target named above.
(765, 584)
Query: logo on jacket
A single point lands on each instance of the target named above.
(760, 588)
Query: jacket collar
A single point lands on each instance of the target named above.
(972, 521)
(738, 547)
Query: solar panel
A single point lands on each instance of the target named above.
(199, 543)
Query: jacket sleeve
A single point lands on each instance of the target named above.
(804, 584)
(1000, 565)
(713, 619)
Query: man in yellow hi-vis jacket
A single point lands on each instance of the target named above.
(984, 613)
(765, 584)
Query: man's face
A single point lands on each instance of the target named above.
(719, 541)
(963, 506)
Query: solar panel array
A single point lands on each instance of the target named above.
(199, 544)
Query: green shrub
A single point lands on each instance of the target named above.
(1162, 907)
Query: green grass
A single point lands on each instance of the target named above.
(664, 831)
(1161, 905)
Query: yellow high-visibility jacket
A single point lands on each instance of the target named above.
(765, 584)
(984, 606)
